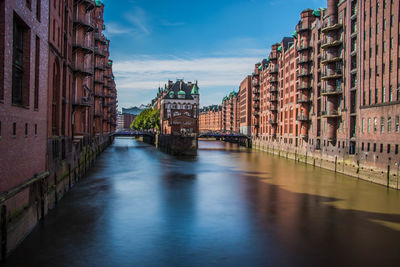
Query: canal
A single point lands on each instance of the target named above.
(229, 206)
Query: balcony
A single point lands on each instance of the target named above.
(273, 108)
(273, 121)
(84, 22)
(255, 83)
(273, 70)
(273, 99)
(302, 118)
(90, 4)
(300, 48)
(332, 27)
(256, 91)
(273, 89)
(331, 43)
(100, 38)
(83, 45)
(82, 102)
(100, 66)
(303, 100)
(273, 56)
(273, 80)
(84, 69)
(334, 91)
(334, 114)
(302, 28)
(100, 51)
(99, 80)
(332, 74)
(98, 95)
(304, 73)
(331, 59)
(304, 60)
(304, 86)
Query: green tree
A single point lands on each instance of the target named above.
(146, 120)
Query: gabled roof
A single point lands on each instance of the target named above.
(180, 88)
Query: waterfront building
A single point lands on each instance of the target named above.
(255, 105)
(57, 104)
(230, 113)
(23, 94)
(245, 104)
(179, 108)
(210, 119)
(338, 89)
(332, 89)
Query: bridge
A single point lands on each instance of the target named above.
(242, 140)
(132, 133)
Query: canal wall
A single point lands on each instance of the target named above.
(343, 163)
(178, 145)
(24, 206)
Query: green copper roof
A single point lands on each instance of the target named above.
(181, 92)
(260, 67)
(171, 93)
(280, 49)
(99, 3)
(294, 34)
(195, 90)
(317, 13)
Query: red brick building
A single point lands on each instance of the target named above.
(23, 92)
(57, 103)
(210, 119)
(332, 89)
(230, 113)
(179, 108)
(245, 103)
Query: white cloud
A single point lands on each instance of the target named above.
(148, 73)
(138, 77)
(113, 28)
(139, 19)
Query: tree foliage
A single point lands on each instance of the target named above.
(146, 120)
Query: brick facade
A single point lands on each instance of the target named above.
(331, 89)
(52, 127)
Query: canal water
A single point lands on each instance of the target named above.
(229, 206)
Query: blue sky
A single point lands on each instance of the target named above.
(216, 42)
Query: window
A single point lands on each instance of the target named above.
(375, 125)
(37, 66)
(368, 147)
(374, 147)
(388, 148)
(383, 94)
(362, 146)
(38, 9)
(26, 129)
(14, 129)
(390, 93)
(362, 125)
(382, 124)
(389, 124)
(29, 4)
(397, 124)
(396, 150)
(381, 148)
(369, 125)
(35, 129)
(20, 66)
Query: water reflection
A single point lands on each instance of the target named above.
(229, 206)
